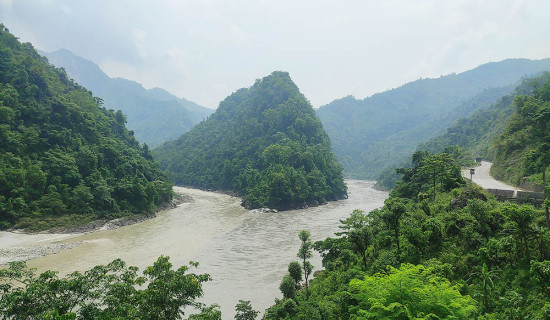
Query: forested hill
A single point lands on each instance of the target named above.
(384, 129)
(264, 143)
(61, 153)
(523, 147)
(155, 115)
(476, 133)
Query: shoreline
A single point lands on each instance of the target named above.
(30, 245)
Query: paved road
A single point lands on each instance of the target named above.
(483, 179)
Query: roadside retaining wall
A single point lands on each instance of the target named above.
(530, 186)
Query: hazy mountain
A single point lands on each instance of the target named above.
(264, 143)
(383, 130)
(155, 115)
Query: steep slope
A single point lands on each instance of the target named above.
(477, 132)
(264, 143)
(60, 152)
(384, 129)
(523, 147)
(155, 115)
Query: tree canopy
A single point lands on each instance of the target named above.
(265, 143)
(61, 152)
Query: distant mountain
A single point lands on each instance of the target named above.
(383, 130)
(264, 143)
(63, 158)
(155, 115)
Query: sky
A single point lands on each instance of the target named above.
(203, 50)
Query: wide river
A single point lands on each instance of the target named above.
(245, 253)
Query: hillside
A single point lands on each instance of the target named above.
(476, 133)
(154, 115)
(523, 147)
(459, 255)
(383, 130)
(264, 143)
(61, 153)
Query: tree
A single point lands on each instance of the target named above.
(288, 287)
(211, 312)
(304, 253)
(295, 271)
(410, 292)
(244, 311)
(485, 278)
(358, 233)
(392, 215)
(437, 166)
(104, 292)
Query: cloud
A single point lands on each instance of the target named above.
(139, 37)
(239, 35)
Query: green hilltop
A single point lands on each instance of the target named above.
(264, 143)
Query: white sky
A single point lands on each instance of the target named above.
(204, 50)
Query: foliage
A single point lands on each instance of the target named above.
(244, 311)
(60, 152)
(410, 292)
(154, 115)
(112, 291)
(523, 148)
(476, 133)
(383, 130)
(264, 143)
(462, 255)
(304, 253)
(429, 173)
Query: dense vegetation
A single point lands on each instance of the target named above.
(474, 134)
(264, 143)
(523, 148)
(154, 115)
(460, 255)
(113, 291)
(61, 153)
(383, 130)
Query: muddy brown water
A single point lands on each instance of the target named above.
(245, 253)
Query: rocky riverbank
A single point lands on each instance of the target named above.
(28, 253)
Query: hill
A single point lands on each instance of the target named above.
(384, 129)
(523, 147)
(264, 143)
(476, 133)
(155, 115)
(61, 154)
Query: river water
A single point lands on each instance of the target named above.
(245, 253)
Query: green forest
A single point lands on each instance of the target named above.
(438, 249)
(475, 135)
(264, 143)
(383, 130)
(63, 158)
(523, 147)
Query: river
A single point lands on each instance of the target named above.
(245, 253)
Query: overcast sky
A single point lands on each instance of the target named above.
(204, 50)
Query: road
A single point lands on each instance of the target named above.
(483, 179)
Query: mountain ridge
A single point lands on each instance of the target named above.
(140, 105)
(356, 126)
